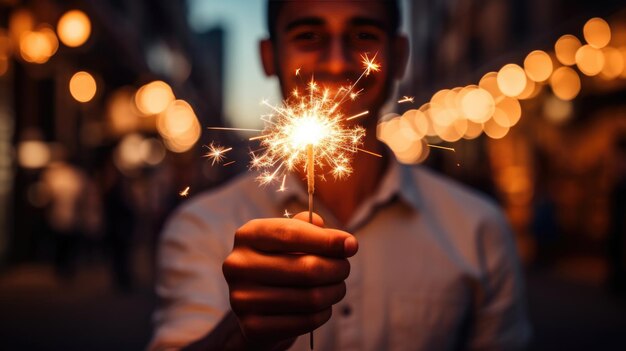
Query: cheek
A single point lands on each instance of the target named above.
(291, 59)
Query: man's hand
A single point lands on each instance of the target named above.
(284, 275)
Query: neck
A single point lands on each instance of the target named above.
(343, 196)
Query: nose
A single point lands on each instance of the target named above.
(337, 57)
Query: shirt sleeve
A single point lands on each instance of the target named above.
(500, 320)
(192, 292)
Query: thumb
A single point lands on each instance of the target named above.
(304, 216)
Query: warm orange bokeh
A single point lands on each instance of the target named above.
(83, 86)
(74, 28)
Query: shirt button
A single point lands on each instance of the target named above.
(346, 310)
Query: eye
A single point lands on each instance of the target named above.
(307, 36)
(366, 36)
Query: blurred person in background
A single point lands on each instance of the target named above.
(436, 269)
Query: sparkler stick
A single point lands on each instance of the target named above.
(310, 175)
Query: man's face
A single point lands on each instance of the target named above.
(326, 40)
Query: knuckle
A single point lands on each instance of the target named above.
(243, 232)
(311, 266)
(232, 265)
(284, 230)
(317, 299)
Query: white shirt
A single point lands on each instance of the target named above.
(436, 269)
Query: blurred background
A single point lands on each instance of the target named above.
(104, 106)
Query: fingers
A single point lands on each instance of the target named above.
(260, 328)
(247, 265)
(304, 216)
(287, 235)
(282, 301)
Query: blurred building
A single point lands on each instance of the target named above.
(111, 92)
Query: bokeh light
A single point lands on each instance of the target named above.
(400, 136)
(122, 117)
(589, 60)
(489, 82)
(566, 48)
(83, 86)
(425, 109)
(494, 130)
(74, 28)
(127, 155)
(538, 66)
(5, 43)
(5, 51)
(179, 126)
(38, 46)
(474, 130)
(508, 112)
(623, 51)
(20, 22)
(565, 83)
(478, 105)
(613, 63)
(532, 89)
(418, 121)
(453, 132)
(511, 80)
(597, 32)
(152, 151)
(556, 110)
(153, 98)
(33, 154)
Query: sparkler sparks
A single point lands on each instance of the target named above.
(185, 192)
(370, 64)
(406, 99)
(216, 153)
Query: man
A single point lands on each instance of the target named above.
(436, 268)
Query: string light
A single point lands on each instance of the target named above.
(83, 86)
(74, 28)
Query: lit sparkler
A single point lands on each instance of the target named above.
(307, 130)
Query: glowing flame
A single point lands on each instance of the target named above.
(307, 130)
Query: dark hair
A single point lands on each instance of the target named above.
(275, 6)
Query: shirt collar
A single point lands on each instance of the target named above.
(398, 182)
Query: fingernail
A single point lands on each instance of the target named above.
(350, 246)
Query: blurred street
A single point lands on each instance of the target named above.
(569, 311)
(39, 312)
